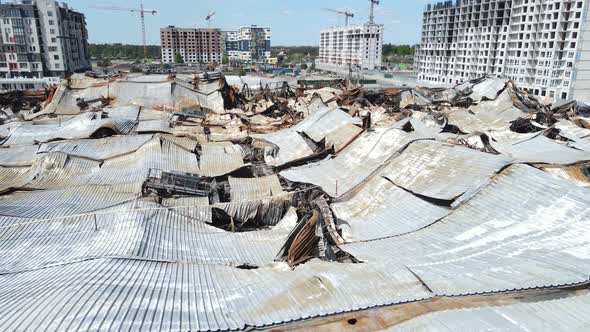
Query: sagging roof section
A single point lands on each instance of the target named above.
(211, 203)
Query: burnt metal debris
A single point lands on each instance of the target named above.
(175, 183)
(251, 202)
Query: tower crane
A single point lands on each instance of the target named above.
(346, 14)
(208, 18)
(141, 12)
(372, 16)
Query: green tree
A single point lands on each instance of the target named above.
(123, 51)
(280, 59)
(224, 59)
(398, 50)
(178, 58)
(241, 72)
(104, 63)
(312, 68)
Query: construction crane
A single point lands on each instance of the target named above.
(208, 18)
(371, 16)
(346, 14)
(142, 13)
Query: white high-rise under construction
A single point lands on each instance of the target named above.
(542, 45)
(351, 46)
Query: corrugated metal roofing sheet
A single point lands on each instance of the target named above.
(264, 211)
(220, 158)
(11, 177)
(23, 155)
(58, 171)
(488, 88)
(207, 97)
(81, 126)
(563, 314)
(136, 231)
(146, 114)
(154, 126)
(84, 251)
(333, 124)
(150, 295)
(130, 112)
(193, 207)
(156, 94)
(354, 164)
(442, 171)
(572, 173)
(526, 229)
(580, 136)
(132, 169)
(98, 149)
(291, 147)
(382, 209)
(258, 82)
(186, 143)
(43, 204)
(245, 189)
(536, 148)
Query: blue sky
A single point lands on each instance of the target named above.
(293, 22)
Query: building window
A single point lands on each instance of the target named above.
(56, 57)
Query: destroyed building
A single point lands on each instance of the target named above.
(228, 203)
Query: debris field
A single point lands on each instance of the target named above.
(204, 202)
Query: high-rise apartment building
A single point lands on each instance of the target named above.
(42, 38)
(351, 47)
(194, 45)
(247, 44)
(542, 45)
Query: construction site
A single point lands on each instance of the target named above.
(208, 202)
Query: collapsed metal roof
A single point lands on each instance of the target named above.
(318, 203)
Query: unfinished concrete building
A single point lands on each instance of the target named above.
(195, 45)
(543, 45)
(351, 47)
(42, 38)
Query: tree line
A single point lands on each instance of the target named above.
(122, 51)
(398, 50)
(133, 52)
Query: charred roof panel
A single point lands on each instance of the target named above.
(563, 314)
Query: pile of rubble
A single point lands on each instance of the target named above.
(221, 203)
